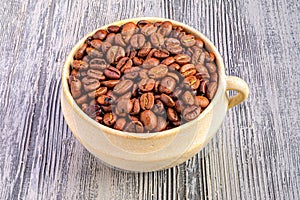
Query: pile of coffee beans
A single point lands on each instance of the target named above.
(143, 77)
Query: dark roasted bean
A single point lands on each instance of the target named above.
(124, 63)
(147, 101)
(112, 72)
(191, 112)
(115, 53)
(202, 101)
(146, 85)
(149, 119)
(135, 127)
(167, 100)
(188, 98)
(110, 83)
(167, 85)
(109, 119)
(123, 87)
(113, 29)
(136, 107)
(80, 52)
(100, 34)
(137, 41)
(172, 115)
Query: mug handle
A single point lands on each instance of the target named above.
(239, 85)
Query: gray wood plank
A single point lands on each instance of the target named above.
(255, 154)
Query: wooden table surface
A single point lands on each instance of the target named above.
(255, 154)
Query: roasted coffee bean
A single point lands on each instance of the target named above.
(104, 99)
(188, 98)
(146, 85)
(76, 88)
(211, 67)
(96, 43)
(174, 66)
(137, 41)
(100, 34)
(182, 59)
(127, 95)
(177, 92)
(178, 106)
(173, 46)
(161, 124)
(191, 112)
(143, 74)
(150, 54)
(123, 87)
(202, 87)
(79, 65)
(198, 57)
(135, 106)
(148, 29)
(192, 81)
(211, 90)
(143, 23)
(98, 92)
(147, 101)
(124, 63)
(165, 28)
(131, 75)
(202, 72)
(161, 54)
(119, 40)
(74, 73)
(80, 52)
(110, 83)
(96, 74)
(93, 53)
(105, 46)
(112, 72)
(113, 29)
(157, 39)
(167, 85)
(150, 62)
(167, 100)
(188, 40)
(159, 71)
(138, 61)
(174, 76)
(81, 100)
(134, 127)
(188, 70)
(158, 107)
(93, 110)
(202, 101)
(109, 118)
(149, 119)
(98, 64)
(214, 77)
(124, 107)
(110, 38)
(120, 124)
(144, 51)
(199, 42)
(128, 30)
(172, 115)
(91, 84)
(168, 61)
(115, 53)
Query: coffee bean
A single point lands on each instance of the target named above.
(150, 62)
(96, 43)
(158, 107)
(119, 40)
(202, 101)
(211, 67)
(98, 64)
(128, 30)
(147, 101)
(188, 40)
(98, 92)
(109, 119)
(96, 74)
(110, 38)
(76, 88)
(79, 65)
(115, 53)
(168, 61)
(143, 23)
(124, 107)
(211, 90)
(148, 29)
(192, 81)
(159, 71)
(188, 98)
(105, 46)
(136, 107)
(80, 52)
(149, 119)
(202, 72)
(178, 106)
(173, 46)
(134, 127)
(202, 87)
(172, 115)
(191, 112)
(91, 84)
(167, 85)
(174, 76)
(161, 124)
(93, 53)
(214, 77)
(188, 70)
(156, 39)
(110, 83)
(198, 57)
(174, 66)
(144, 51)
(131, 75)
(120, 124)
(161, 54)
(199, 42)
(146, 85)
(165, 28)
(123, 87)
(138, 61)
(112, 72)
(182, 59)
(124, 63)
(167, 100)
(81, 100)
(100, 34)
(143, 74)
(150, 54)
(104, 99)
(137, 41)
(113, 29)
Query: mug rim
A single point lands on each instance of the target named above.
(208, 46)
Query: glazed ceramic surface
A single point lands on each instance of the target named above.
(154, 151)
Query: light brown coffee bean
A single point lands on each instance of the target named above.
(174, 66)
(214, 77)
(114, 54)
(173, 46)
(137, 41)
(120, 124)
(100, 34)
(109, 119)
(167, 85)
(79, 65)
(165, 28)
(148, 29)
(147, 101)
(161, 54)
(105, 46)
(98, 64)
(113, 29)
(80, 52)
(128, 30)
(137, 61)
(199, 42)
(110, 38)
(144, 51)
(158, 107)
(192, 81)
(175, 76)
(211, 67)
(172, 115)
(104, 99)
(98, 92)
(81, 100)
(156, 39)
(188, 40)
(110, 83)
(124, 107)
(178, 106)
(91, 84)
(159, 71)
(119, 40)
(203, 86)
(188, 98)
(96, 74)
(112, 72)
(146, 85)
(182, 59)
(136, 107)
(168, 61)
(124, 63)
(167, 100)
(188, 70)
(96, 43)
(191, 112)
(202, 101)
(123, 87)
(150, 62)
(76, 88)
(93, 53)
(149, 119)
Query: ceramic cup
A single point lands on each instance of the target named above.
(152, 151)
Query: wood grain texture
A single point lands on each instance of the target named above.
(255, 154)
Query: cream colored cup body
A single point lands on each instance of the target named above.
(154, 151)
